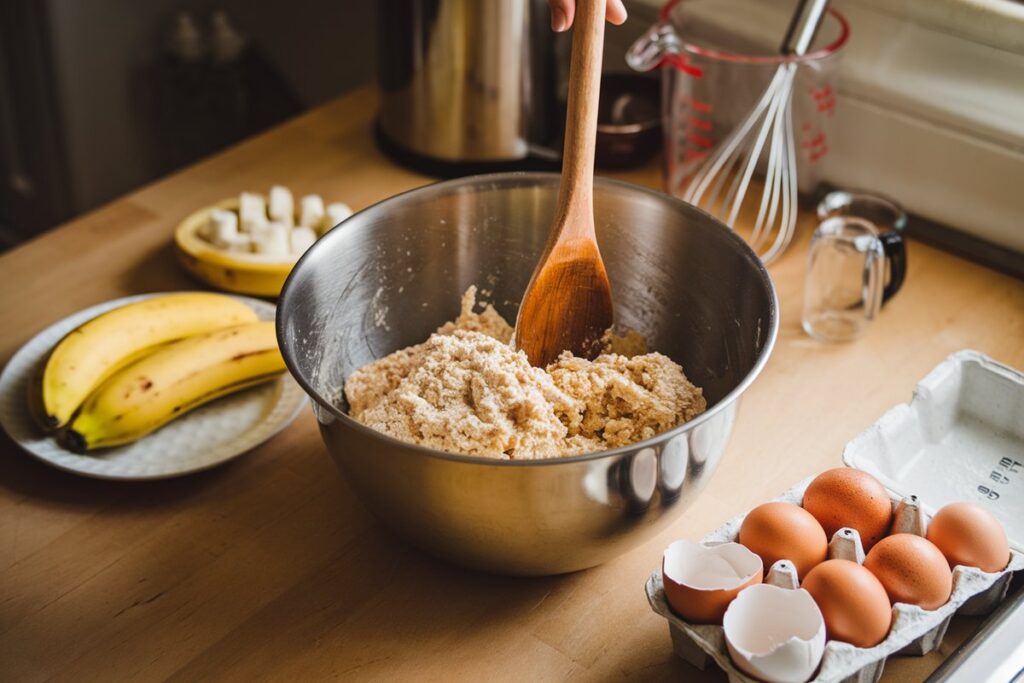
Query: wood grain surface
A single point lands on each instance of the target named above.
(269, 569)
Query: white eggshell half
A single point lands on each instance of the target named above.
(718, 567)
(775, 634)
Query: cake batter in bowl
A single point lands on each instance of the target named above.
(393, 273)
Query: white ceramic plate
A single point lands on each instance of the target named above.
(203, 438)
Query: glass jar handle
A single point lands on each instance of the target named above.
(896, 255)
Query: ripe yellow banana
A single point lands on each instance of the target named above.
(173, 380)
(99, 348)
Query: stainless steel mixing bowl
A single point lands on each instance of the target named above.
(396, 271)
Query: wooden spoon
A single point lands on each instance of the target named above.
(568, 303)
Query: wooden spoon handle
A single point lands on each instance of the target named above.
(576, 194)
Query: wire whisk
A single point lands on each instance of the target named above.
(769, 126)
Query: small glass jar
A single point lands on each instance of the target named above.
(845, 285)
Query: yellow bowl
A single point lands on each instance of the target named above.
(221, 269)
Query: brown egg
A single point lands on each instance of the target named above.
(912, 570)
(969, 535)
(844, 496)
(784, 531)
(852, 601)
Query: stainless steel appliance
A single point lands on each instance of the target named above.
(467, 85)
(397, 270)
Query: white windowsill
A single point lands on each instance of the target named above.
(928, 113)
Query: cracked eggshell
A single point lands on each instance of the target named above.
(701, 581)
(775, 634)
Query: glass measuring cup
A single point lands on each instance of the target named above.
(845, 285)
(713, 75)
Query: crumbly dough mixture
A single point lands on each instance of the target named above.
(465, 390)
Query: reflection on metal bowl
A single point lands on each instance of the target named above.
(396, 271)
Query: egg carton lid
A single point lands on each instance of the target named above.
(960, 438)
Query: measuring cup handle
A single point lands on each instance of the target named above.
(896, 254)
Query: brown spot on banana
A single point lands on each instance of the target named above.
(248, 354)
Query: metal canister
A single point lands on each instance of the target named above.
(467, 85)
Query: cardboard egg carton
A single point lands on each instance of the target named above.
(914, 631)
(956, 440)
(961, 437)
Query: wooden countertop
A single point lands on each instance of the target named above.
(269, 568)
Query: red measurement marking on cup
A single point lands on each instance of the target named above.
(816, 147)
(696, 122)
(702, 107)
(816, 141)
(692, 132)
(682, 64)
(695, 104)
(821, 93)
(699, 140)
(824, 99)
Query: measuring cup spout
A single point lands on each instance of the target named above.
(659, 46)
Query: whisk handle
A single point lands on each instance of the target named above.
(803, 27)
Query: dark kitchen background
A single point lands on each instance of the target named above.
(99, 97)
